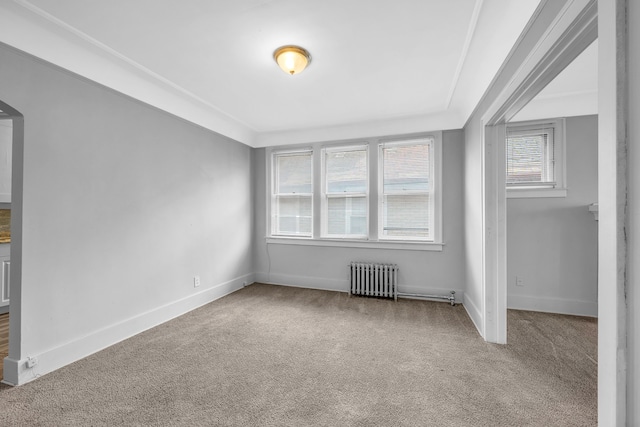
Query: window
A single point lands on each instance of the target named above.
(378, 193)
(292, 194)
(535, 159)
(345, 192)
(406, 201)
(530, 157)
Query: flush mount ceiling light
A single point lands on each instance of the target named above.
(292, 59)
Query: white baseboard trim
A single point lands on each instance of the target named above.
(474, 313)
(338, 285)
(17, 373)
(306, 282)
(553, 305)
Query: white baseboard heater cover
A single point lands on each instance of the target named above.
(373, 280)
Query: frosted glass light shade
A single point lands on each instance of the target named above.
(292, 59)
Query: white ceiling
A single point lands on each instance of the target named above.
(378, 66)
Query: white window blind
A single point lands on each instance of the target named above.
(292, 194)
(345, 182)
(406, 181)
(530, 157)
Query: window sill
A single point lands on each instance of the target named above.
(365, 244)
(532, 193)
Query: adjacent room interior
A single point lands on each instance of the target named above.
(149, 196)
(552, 232)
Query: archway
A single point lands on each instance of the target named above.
(11, 363)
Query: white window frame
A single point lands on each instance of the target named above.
(273, 206)
(326, 195)
(434, 141)
(373, 214)
(556, 188)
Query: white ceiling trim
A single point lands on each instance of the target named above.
(115, 53)
(465, 51)
(27, 27)
(577, 103)
(361, 131)
(70, 48)
(562, 95)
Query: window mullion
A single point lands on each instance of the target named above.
(318, 165)
(373, 196)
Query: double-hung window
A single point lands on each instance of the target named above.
(378, 193)
(292, 194)
(406, 190)
(535, 158)
(345, 192)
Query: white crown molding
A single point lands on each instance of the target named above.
(34, 31)
(568, 94)
(465, 51)
(38, 33)
(578, 103)
(368, 129)
(30, 29)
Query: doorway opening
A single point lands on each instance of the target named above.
(552, 194)
(6, 142)
(551, 56)
(11, 141)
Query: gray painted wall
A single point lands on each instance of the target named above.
(552, 243)
(326, 267)
(122, 206)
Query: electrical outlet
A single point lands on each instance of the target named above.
(519, 281)
(196, 281)
(32, 362)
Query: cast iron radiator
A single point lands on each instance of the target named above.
(373, 280)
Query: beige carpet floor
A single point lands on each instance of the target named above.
(278, 356)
